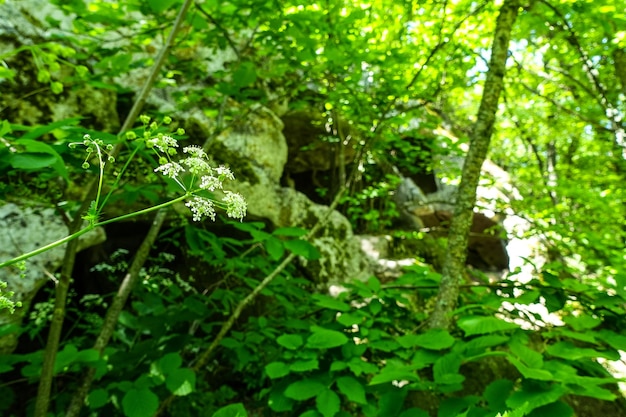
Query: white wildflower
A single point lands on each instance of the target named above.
(195, 151)
(163, 143)
(210, 183)
(201, 207)
(197, 165)
(171, 169)
(235, 205)
(224, 173)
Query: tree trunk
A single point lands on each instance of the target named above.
(480, 137)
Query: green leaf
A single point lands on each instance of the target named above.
(245, 75)
(325, 339)
(446, 369)
(531, 373)
(159, 6)
(331, 303)
(433, 339)
(277, 400)
(181, 381)
(304, 389)
(97, 398)
(275, 248)
(473, 325)
(303, 366)
(558, 408)
(276, 370)
(497, 392)
(328, 403)
(352, 389)
(170, 362)
(536, 396)
(528, 356)
(303, 248)
(231, 410)
(481, 343)
(31, 161)
(394, 372)
(290, 341)
(310, 413)
(567, 350)
(349, 319)
(140, 403)
(42, 155)
(414, 412)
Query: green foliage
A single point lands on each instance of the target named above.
(296, 350)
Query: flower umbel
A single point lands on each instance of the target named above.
(235, 205)
(201, 207)
(195, 175)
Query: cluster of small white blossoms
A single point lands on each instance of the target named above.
(203, 177)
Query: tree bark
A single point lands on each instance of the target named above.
(480, 138)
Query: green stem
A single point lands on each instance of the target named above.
(119, 177)
(89, 228)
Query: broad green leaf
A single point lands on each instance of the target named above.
(303, 248)
(290, 341)
(395, 372)
(558, 408)
(474, 325)
(331, 303)
(159, 6)
(231, 410)
(413, 412)
(278, 402)
(497, 392)
(181, 381)
(352, 389)
(350, 319)
(304, 389)
(97, 398)
(328, 403)
(276, 369)
(303, 366)
(170, 362)
(274, 248)
(325, 339)
(536, 397)
(433, 339)
(616, 341)
(528, 356)
(32, 161)
(446, 369)
(481, 343)
(531, 373)
(140, 403)
(310, 413)
(245, 75)
(568, 350)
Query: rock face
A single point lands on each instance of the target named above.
(25, 229)
(433, 212)
(257, 151)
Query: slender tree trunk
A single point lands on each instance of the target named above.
(480, 137)
(42, 402)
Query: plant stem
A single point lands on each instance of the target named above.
(90, 228)
(117, 305)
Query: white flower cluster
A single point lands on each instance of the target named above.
(203, 178)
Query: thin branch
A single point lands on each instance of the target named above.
(47, 371)
(204, 357)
